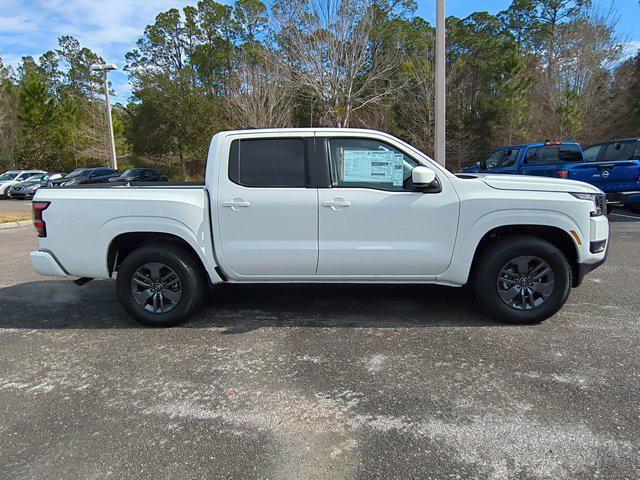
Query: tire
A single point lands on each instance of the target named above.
(189, 289)
(492, 291)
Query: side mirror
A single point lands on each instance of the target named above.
(422, 176)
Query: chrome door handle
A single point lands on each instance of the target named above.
(236, 204)
(336, 203)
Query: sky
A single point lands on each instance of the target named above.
(111, 27)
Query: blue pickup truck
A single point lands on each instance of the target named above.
(612, 166)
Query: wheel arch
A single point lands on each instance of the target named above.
(554, 235)
(124, 238)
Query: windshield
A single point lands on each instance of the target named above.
(132, 173)
(36, 178)
(79, 172)
(7, 176)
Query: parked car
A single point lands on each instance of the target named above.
(618, 178)
(327, 205)
(12, 177)
(28, 188)
(140, 175)
(623, 157)
(82, 176)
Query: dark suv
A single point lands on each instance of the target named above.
(140, 175)
(87, 175)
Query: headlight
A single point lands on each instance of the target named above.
(599, 202)
(35, 186)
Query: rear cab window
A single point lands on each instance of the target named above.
(553, 154)
(272, 162)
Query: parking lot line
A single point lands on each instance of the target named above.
(626, 216)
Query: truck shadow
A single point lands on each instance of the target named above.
(60, 304)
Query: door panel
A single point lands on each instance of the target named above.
(375, 222)
(386, 233)
(271, 231)
(266, 231)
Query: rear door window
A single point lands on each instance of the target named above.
(273, 162)
(618, 151)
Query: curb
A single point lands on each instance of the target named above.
(21, 223)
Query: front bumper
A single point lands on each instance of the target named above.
(21, 194)
(623, 198)
(599, 235)
(46, 264)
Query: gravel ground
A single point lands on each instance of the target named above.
(319, 382)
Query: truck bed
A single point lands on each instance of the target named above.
(90, 217)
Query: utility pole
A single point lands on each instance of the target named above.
(441, 105)
(104, 68)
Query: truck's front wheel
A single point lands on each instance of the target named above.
(160, 285)
(522, 279)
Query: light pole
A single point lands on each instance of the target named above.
(441, 105)
(104, 68)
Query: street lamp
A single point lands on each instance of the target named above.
(104, 68)
(441, 105)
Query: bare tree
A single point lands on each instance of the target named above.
(9, 123)
(328, 43)
(262, 94)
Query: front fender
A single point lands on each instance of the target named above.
(468, 239)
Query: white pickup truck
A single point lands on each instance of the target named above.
(326, 205)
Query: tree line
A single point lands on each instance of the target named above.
(540, 70)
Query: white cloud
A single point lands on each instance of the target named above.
(108, 27)
(630, 49)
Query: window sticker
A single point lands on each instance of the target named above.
(372, 166)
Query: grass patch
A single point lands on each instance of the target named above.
(14, 217)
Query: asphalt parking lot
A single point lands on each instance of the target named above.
(15, 206)
(315, 382)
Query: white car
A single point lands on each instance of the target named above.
(12, 177)
(326, 205)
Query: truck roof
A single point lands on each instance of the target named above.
(538, 144)
(300, 130)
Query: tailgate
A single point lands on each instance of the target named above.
(617, 176)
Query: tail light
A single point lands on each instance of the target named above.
(562, 173)
(38, 221)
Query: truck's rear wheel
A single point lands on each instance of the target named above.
(522, 280)
(160, 285)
